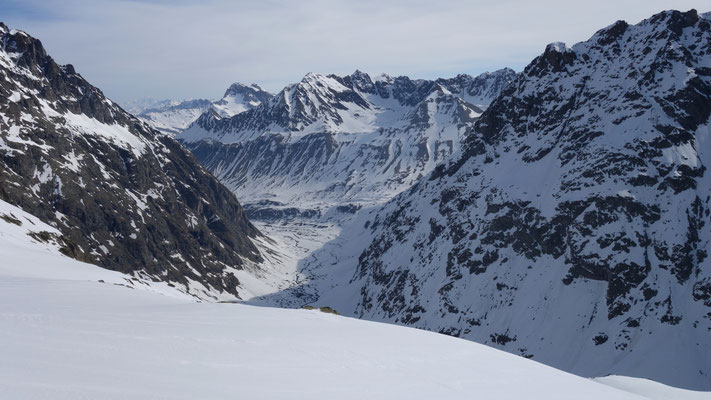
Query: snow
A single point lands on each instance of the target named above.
(650, 389)
(283, 247)
(171, 121)
(114, 133)
(65, 335)
(172, 117)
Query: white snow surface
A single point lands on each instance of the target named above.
(650, 389)
(64, 335)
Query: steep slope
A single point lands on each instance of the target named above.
(123, 196)
(72, 330)
(172, 117)
(574, 227)
(332, 143)
(32, 249)
(239, 98)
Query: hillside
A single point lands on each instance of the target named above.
(122, 195)
(73, 330)
(572, 229)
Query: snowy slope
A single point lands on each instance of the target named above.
(650, 389)
(124, 196)
(72, 330)
(32, 249)
(574, 227)
(174, 116)
(330, 141)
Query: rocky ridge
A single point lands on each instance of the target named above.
(123, 196)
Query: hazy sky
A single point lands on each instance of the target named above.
(183, 48)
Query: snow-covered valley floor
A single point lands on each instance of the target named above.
(70, 330)
(281, 280)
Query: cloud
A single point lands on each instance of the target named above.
(179, 49)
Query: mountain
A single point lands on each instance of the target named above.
(137, 106)
(172, 116)
(63, 319)
(239, 98)
(572, 229)
(122, 196)
(331, 144)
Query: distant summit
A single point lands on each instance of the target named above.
(172, 116)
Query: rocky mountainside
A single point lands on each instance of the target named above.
(173, 116)
(123, 196)
(334, 144)
(574, 228)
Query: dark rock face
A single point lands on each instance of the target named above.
(249, 94)
(123, 195)
(575, 225)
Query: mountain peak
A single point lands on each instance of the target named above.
(360, 74)
(558, 47)
(78, 161)
(555, 58)
(240, 88)
(673, 21)
(382, 77)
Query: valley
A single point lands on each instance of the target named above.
(534, 234)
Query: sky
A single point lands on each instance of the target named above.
(181, 49)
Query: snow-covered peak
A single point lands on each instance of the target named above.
(174, 116)
(251, 95)
(349, 104)
(480, 90)
(328, 139)
(239, 98)
(320, 82)
(358, 74)
(383, 77)
(362, 82)
(559, 47)
(240, 88)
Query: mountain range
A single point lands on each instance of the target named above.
(331, 144)
(172, 117)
